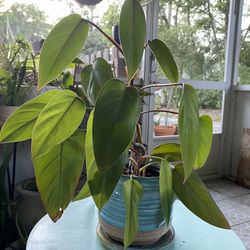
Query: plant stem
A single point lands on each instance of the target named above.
(139, 135)
(106, 35)
(160, 85)
(159, 110)
(145, 166)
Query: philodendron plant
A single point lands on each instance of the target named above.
(111, 144)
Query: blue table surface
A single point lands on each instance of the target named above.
(76, 230)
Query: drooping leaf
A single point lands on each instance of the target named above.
(165, 59)
(116, 115)
(132, 34)
(58, 121)
(205, 140)
(57, 173)
(170, 151)
(61, 47)
(132, 191)
(195, 196)
(189, 128)
(166, 191)
(19, 125)
(101, 185)
(94, 76)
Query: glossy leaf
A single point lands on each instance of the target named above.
(57, 173)
(170, 151)
(205, 140)
(165, 59)
(61, 47)
(116, 114)
(195, 196)
(132, 34)
(20, 124)
(132, 193)
(94, 76)
(189, 128)
(166, 191)
(58, 120)
(101, 185)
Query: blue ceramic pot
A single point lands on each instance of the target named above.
(152, 224)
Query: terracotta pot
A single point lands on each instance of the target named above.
(165, 130)
(152, 224)
(5, 112)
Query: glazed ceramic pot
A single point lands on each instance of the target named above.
(152, 224)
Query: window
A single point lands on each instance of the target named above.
(244, 59)
(196, 33)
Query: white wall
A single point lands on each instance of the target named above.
(241, 120)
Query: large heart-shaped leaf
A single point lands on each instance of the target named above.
(116, 115)
(58, 120)
(57, 173)
(170, 151)
(132, 192)
(19, 125)
(166, 191)
(205, 140)
(195, 196)
(94, 76)
(132, 34)
(189, 128)
(61, 47)
(165, 59)
(101, 185)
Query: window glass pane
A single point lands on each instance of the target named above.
(196, 33)
(165, 124)
(244, 60)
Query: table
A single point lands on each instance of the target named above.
(76, 230)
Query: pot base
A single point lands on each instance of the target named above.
(165, 242)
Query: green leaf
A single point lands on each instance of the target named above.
(84, 193)
(195, 196)
(101, 185)
(58, 121)
(20, 124)
(170, 151)
(132, 34)
(116, 114)
(166, 192)
(205, 140)
(94, 76)
(132, 192)
(189, 128)
(61, 47)
(57, 173)
(165, 59)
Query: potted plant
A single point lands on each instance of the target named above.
(17, 75)
(116, 158)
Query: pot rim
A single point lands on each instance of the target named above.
(20, 190)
